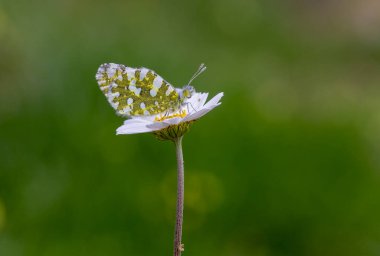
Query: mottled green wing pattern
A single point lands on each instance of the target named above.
(136, 91)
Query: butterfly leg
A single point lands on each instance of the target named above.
(166, 113)
(191, 105)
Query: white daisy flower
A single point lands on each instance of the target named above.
(182, 108)
(174, 124)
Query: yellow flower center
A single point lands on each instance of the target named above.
(173, 132)
(161, 118)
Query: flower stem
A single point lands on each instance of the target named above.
(178, 246)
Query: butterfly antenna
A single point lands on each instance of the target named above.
(200, 70)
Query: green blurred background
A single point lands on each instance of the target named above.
(287, 165)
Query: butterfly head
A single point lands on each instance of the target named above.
(187, 91)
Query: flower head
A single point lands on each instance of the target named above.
(171, 125)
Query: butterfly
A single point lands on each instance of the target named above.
(141, 91)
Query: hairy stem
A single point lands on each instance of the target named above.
(178, 246)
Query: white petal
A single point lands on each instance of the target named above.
(214, 101)
(132, 126)
(158, 126)
(197, 101)
(172, 121)
(203, 99)
(197, 114)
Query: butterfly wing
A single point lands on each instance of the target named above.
(135, 91)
